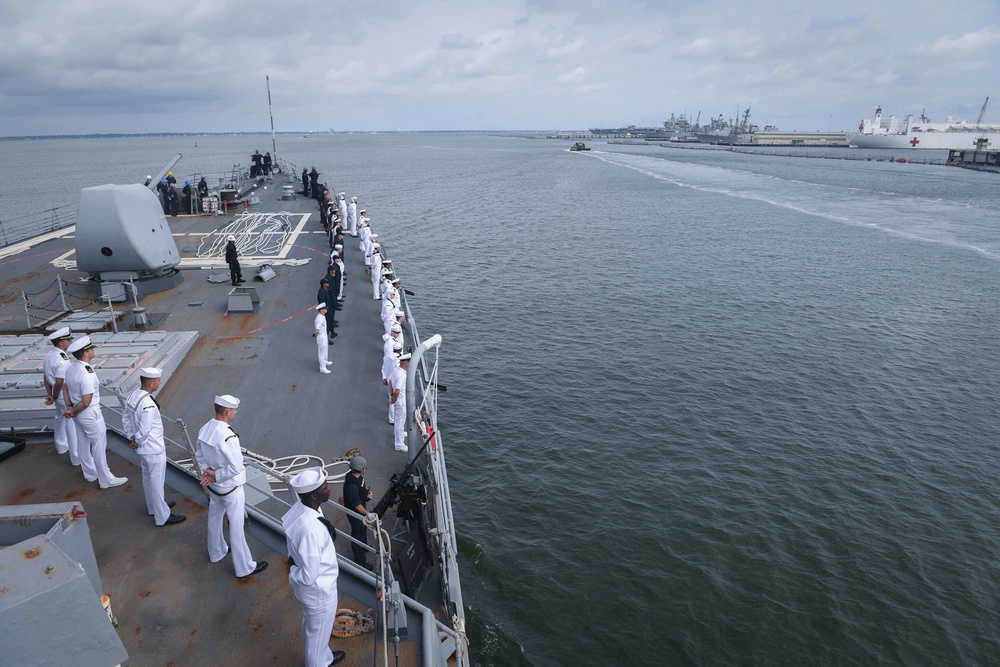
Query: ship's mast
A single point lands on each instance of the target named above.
(982, 112)
(274, 148)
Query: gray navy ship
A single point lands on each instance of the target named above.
(88, 579)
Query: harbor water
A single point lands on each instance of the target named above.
(702, 407)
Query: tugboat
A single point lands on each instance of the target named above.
(579, 146)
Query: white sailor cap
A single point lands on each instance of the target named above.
(386, 272)
(397, 312)
(354, 199)
(396, 327)
(386, 260)
(405, 357)
(398, 345)
(148, 177)
(150, 372)
(308, 480)
(338, 245)
(362, 211)
(227, 401)
(320, 306)
(82, 343)
(230, 238)
(343, 195)
(60, 334)
(395, 279)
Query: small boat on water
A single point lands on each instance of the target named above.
(579, 146)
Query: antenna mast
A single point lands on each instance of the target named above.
(274, 148)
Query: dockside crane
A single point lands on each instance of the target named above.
(696, 122)
(982, 112)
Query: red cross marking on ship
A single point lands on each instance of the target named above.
(914, 141)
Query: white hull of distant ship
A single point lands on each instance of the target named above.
(905, 133)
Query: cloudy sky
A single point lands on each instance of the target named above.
(115, 66)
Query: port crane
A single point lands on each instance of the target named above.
(982, 112)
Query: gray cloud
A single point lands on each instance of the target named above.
(116, 65)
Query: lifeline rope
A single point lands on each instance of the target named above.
(256, 234)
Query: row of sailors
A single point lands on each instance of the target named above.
(385, 287)
(350, 216)
(73, 388)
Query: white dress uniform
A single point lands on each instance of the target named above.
(219, 448)
(141, 420)
(343, 275)
(352, 216)
(398, 381)
(390, 362)
(322, 343)
(366, 237)
(91, 431)
(343, 210)
(57, 363)
(377, 275)
(313, 579)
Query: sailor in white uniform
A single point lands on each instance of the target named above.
(379, 272)
(320, 334)
(363, 220)
(143, 426)
(220, 459)
(397, 398)
(57, 362)
(390, 362)
(343, 210)
(365, 233)
(313, 567)
(84, 408)
(352, 216)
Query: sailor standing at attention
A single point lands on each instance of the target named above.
(57, 362)
(144, 428)
(84, 408)
(397, 398)
(342, 205)
(232, 259)
(313, 567)
(352, 216)
(322, 342)
(222, 472)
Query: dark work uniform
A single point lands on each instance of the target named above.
(202, 192)
(356, 493)
(161, 189)
(172, 200)
(186, 191)
(267, 163)
(232, 259)
(330, 299)
(314, 183)
(333, 275)
(305, 182)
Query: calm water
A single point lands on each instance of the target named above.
(703, 408)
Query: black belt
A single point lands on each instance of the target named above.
(223, 495)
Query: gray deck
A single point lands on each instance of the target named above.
(174, 606)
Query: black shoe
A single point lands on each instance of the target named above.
(170, 505)
(338, 656)
(173, 519)
(333, 335)
(261, 566)
(241, 280)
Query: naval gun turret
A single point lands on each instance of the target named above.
(122, 235)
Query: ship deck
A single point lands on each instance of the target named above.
(173, 605)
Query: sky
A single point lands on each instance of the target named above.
(107, 66)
